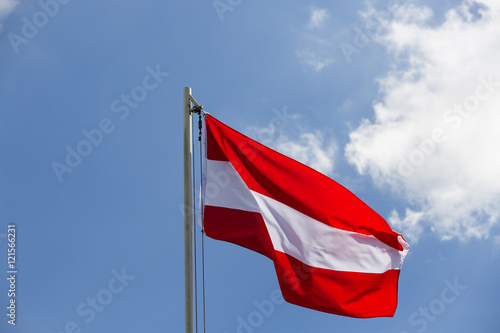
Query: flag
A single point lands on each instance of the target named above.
(331, 252)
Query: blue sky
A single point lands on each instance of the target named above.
(398, 101)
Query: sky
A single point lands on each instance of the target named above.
(396, 100)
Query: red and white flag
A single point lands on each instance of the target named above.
(331, 251)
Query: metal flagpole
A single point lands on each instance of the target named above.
(188, 212)
(188, 206)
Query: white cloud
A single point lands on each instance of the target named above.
(496, 243)
(346, 106)
(411, 224)
(435, 136)
(6, 7)
(318, 18)
(311, 59)
(315, 47)
(308, 147)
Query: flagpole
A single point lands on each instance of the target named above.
(188, 212)
(188, 100)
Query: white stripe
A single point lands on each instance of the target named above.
(225, 188)
(319, 245)
(306, 239)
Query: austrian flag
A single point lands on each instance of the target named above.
(331, 251)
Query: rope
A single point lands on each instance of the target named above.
(202, 231)
(202, 238)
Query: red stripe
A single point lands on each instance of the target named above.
(361, 295)
(240, 227)
(214, 151)
(294, 184)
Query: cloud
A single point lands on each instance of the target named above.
(311, 59)
(496, 241)
(314, 51)
(308, 147)
(6, 7)
(411, 224)
(317, 18)
(435, 133)
(346, 106)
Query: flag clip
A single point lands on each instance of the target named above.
(196, 109)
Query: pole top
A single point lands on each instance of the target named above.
(187, 95)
